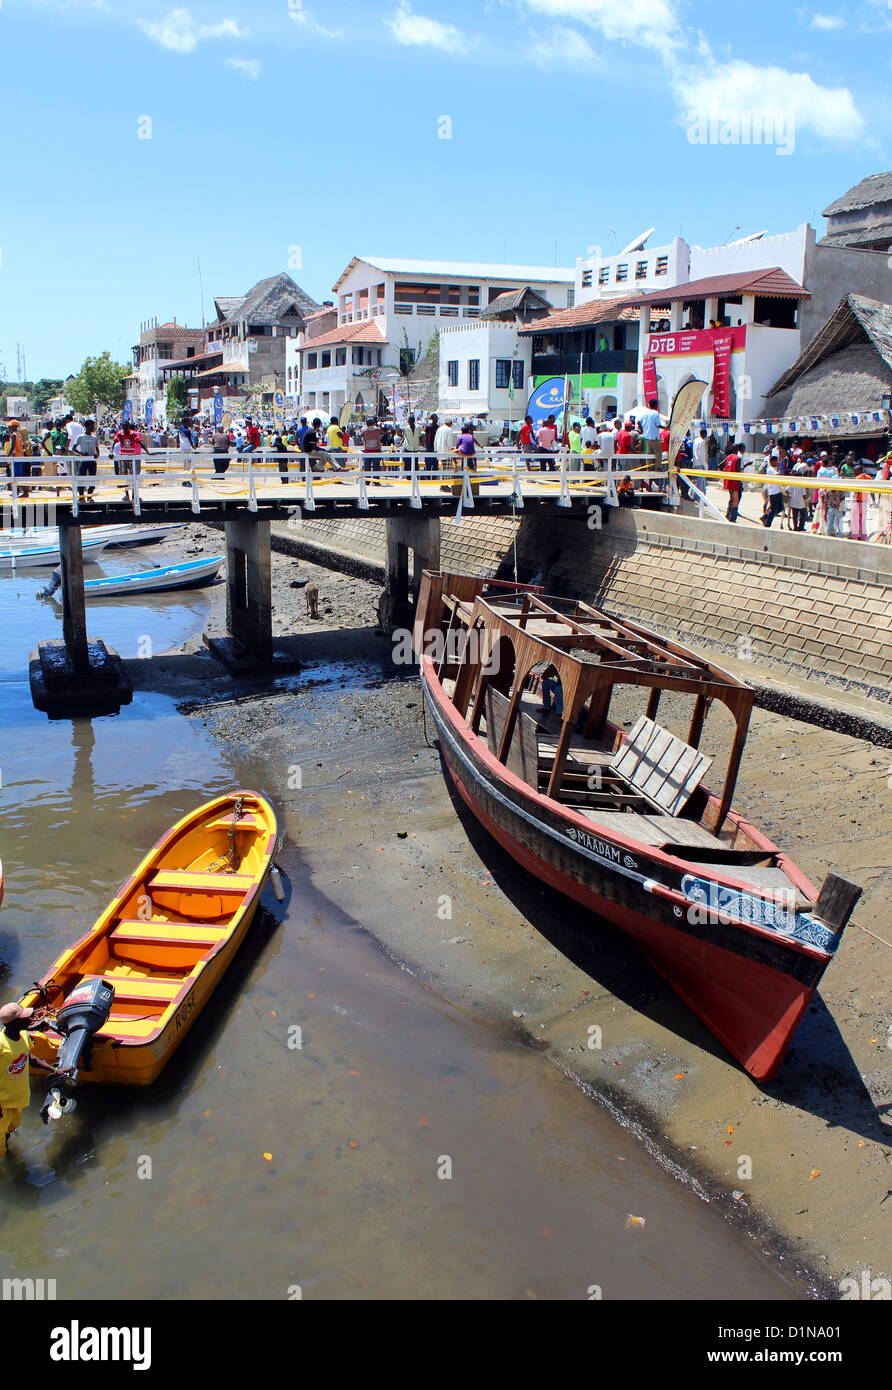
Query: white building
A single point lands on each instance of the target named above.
(485, 363)
(338, 366)
(409, 299)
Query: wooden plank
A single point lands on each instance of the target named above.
(837, 900)
(662, 767)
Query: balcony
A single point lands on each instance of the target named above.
(567, 363)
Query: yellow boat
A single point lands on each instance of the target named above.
(163, 943)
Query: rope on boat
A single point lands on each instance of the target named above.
(226, 863)
(882, 940)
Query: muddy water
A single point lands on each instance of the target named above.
(406, 1149)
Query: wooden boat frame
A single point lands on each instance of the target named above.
(765, 929)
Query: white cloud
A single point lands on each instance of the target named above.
(828, 21)
(565, 46)
(647, 23)
(415, 29)
(181, 33)
(829, 112)
(250, 67)
(312, 26)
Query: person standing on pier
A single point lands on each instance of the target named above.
(733, 464)
(86, 450)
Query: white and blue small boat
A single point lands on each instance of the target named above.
(44, 556)
(193, 574)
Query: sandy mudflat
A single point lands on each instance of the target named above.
(817, 1142)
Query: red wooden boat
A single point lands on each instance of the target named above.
(621, 820)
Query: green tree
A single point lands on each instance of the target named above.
(44, 391)
(100, 381)
(177, 398)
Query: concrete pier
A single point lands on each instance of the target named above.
(409, 531)
(249, 602)
(76, 677)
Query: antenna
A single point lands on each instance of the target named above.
(201, 287)
(555, 252)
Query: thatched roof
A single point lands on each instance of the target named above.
(268, 302)
(856, 320)
(526, 300)
(853, 379)
(864, 240)
(877, 188)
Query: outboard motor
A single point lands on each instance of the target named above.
(84, 1012)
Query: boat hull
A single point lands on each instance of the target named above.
(161, 947)
(171, 579)
(749, 984)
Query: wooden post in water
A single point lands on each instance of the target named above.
(74, 607)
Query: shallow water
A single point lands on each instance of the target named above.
(326, 1165)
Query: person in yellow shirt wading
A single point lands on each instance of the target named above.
(15, 1086)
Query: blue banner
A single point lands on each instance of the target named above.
(218, 410)
(128, 409)
(150, 409)
(548, 399)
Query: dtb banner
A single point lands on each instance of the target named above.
(724, 344)
(651, 390)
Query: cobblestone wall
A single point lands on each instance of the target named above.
(818, 605)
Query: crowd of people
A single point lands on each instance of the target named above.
(641, 437)
(829, 511)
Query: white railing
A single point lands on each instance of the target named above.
(162, 473)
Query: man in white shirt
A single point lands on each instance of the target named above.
(445, 438)
(74, 432)
(607, 442)
(774, 497)
(589, 434)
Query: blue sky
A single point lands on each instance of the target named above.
(315, 125)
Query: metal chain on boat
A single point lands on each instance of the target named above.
(226, 863)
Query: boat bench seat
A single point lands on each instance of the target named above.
(248, 822)
(133, 989)
(184, 880)
(158, 934)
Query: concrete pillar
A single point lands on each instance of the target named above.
(249, 605)
(406, 532)
(74, 608)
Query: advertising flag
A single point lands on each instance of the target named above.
(684, 412)
(279, 408)
(218, 410)
(128, 410)
(150, 410)
(549, 398)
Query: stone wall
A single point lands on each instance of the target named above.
(818, 605)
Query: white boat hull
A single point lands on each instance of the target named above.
(44, 556)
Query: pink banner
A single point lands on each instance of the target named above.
(721, 384)
(693, 341)
(651, 391)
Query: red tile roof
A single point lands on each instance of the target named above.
(365, 332)
(584, 315)
(774, 283)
